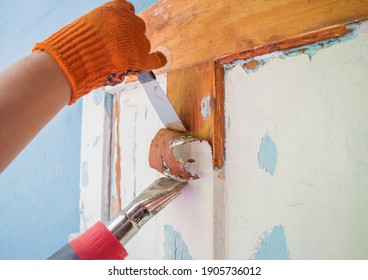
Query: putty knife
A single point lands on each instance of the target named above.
(160, 102)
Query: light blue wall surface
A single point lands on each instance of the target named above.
(39, 191)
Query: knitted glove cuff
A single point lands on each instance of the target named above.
(80, 54)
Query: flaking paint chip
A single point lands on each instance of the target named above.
(167, 157)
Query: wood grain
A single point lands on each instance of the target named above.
(192, 32)
(190, 90)
(197, 36)
(329, 33)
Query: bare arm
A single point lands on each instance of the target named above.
(32, 92)
(83, 55)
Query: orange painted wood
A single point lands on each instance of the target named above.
(329, 33)
(194, 31)
(190, 89)
(195, 34)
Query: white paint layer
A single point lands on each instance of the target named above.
(95, 159)
(296, 172)
(316, 114)
(191, 214)
(135, 124)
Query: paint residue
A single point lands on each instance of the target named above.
(205, 107)
(162, 154)
(118, 155)
(267, 155)
(272, 245)
(108, 104)
(312, 49)
(253, 65)
(98, 96)
(174, 246)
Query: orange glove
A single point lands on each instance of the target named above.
(101, 48)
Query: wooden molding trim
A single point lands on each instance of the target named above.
(197, 94)
(199, 36)
(192, 32)
(329, 33)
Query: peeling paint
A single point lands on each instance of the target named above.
(108, 104)
(98, 96)
(311, 50)
(185, 154)
(118, 155)
(174, 246)
(163, 159)
(359, 27)
(182, 140)
(272, 245)
(267, 155)
(253, 65)
(205, 107)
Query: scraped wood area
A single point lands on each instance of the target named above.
(199, 36)
(197, 94)
(191, 32)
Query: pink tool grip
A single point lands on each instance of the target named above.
(98, 243)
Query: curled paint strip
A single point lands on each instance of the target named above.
(162, 158)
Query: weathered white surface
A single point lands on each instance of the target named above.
(134, 126)
(296, 164)
(95, 159)
(188, 218)
(192, 213)
(315, 113)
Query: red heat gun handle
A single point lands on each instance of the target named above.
(97, 243)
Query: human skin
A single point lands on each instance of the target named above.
(32, 92)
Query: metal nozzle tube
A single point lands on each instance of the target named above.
(151, 201)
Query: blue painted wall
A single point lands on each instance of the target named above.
(39, 191)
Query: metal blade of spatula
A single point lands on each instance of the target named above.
(160, 102)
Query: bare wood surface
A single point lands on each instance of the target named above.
(192, 32)
(197, 94)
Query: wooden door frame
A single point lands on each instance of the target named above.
(199, 36)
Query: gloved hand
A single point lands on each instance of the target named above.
(101, 48)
